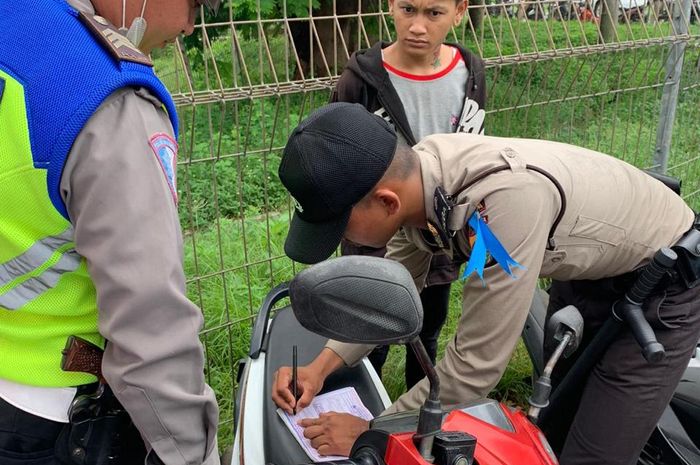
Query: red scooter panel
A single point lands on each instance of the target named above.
(494, 445)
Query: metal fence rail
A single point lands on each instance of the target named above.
(243, 83)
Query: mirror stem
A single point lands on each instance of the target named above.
(430, 417)
(543, 386)
(428, 368)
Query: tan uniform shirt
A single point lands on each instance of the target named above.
(615, 218)
(127, 227)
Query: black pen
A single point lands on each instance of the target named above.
(294, 378)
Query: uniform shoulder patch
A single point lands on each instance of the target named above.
(117, 45)
(165, 149)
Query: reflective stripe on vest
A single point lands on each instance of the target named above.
(15, 296)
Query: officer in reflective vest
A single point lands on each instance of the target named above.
(90, 241)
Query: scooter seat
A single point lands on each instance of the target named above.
(284, 332)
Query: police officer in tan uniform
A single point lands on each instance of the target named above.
(559, 211)
(119, 190)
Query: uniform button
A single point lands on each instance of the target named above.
(101, 20)
(510, 153)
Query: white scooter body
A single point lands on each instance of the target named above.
(247, 447)
(260, 436)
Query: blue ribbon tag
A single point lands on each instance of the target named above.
(485, 242)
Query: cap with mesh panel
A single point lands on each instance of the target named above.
(332, 160)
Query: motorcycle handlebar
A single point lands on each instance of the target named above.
(630, 309)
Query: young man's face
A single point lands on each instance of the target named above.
(422, 25)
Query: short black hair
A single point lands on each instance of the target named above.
(404, 163)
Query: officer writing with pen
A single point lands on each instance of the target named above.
(518, 210)
(90, 241)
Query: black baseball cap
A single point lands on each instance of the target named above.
(332, 160)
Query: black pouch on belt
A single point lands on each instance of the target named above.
(99, 430)
(688, 264)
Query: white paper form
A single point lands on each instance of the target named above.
(343, 400)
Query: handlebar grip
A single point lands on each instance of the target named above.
(663, 261)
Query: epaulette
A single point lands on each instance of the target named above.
(118, 46)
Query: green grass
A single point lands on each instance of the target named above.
(229, 298)
(234, 210)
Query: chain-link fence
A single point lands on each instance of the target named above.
(555, 70)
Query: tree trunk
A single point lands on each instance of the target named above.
(476, 15)
(331, 55)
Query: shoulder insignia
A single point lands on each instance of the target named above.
(117, 45)
(165, 149)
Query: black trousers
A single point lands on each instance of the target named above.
(610, 419)
(26, 439)
(435, 300)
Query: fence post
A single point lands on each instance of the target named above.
(608, 19)
(672, 84)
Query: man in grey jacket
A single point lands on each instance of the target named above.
(542, 209)
(110, 213)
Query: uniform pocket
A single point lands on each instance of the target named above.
(597, 230)
(552, 260)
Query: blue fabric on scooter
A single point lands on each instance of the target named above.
(485, 242)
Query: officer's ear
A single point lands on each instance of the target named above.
(387, 199)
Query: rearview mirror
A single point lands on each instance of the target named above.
(565, 319)
(358, 299)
